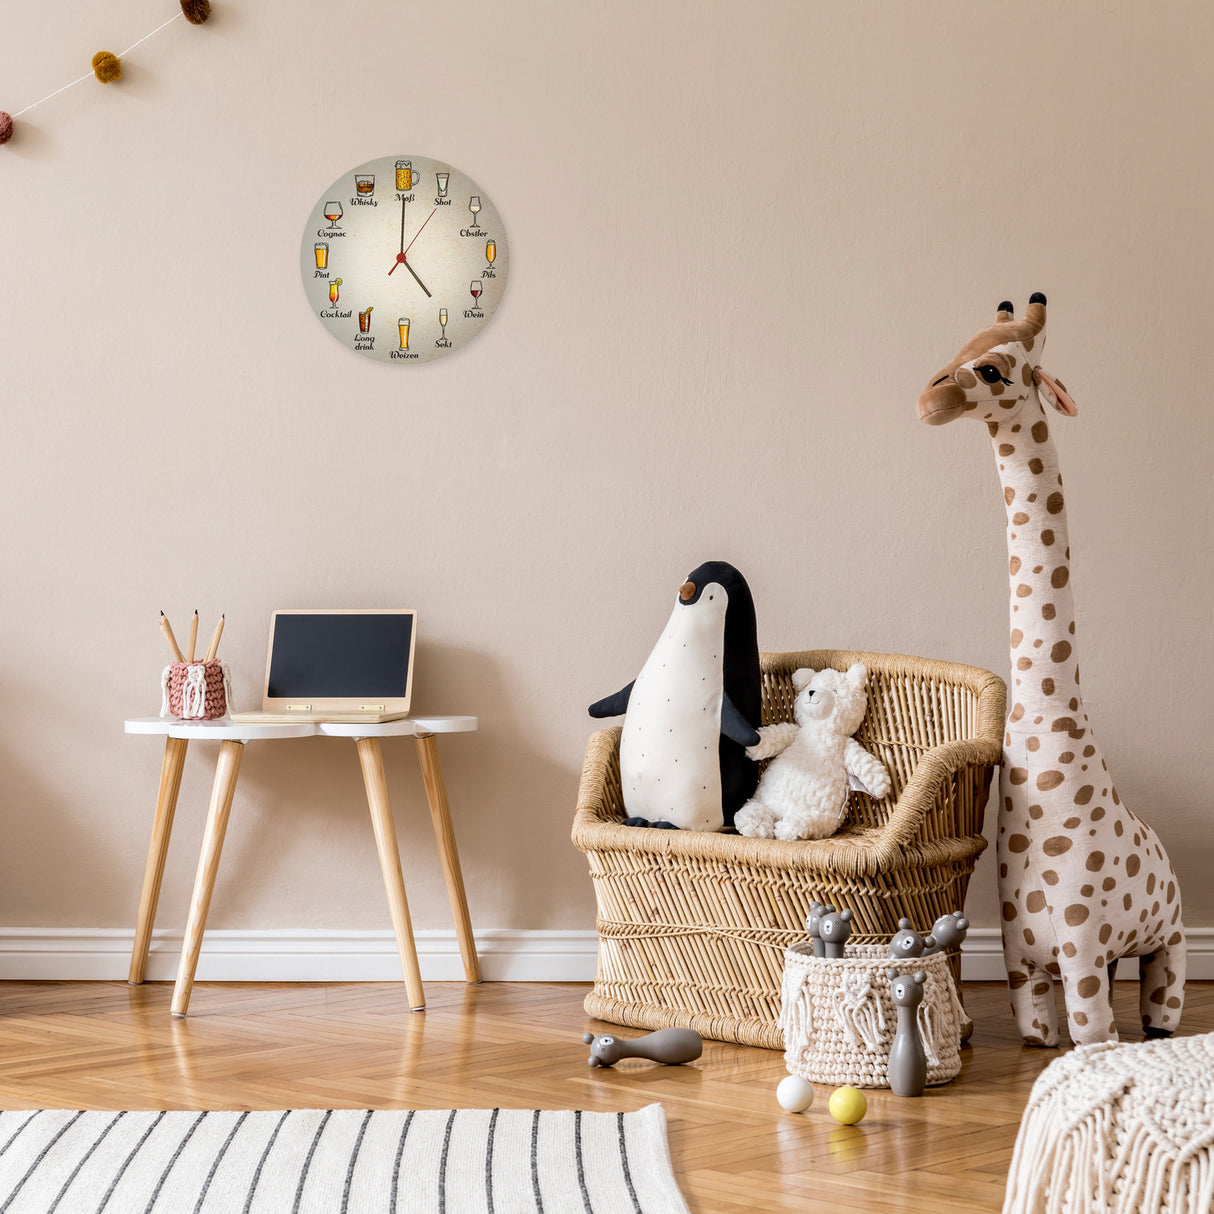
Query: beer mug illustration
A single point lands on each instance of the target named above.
(404, 175)
(322, 255)
(403, 324)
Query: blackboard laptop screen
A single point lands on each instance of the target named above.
(338, 665)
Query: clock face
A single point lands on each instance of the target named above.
(404, 259)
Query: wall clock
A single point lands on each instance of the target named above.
(404, 259)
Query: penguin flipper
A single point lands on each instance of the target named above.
(735, 726)
(612, 706)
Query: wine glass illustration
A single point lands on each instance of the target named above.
(333, 213)
(476, 289)
(442, 320)
(474, 205)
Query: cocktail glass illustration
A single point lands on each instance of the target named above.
(490, 251)
(333, 290)
(474, 205)
(322, 255)
(333, 213)
(442, 320)
(364, 183)
(443, 178)
(476, 289)
(404, 175)
(403, 325)
(364, 321)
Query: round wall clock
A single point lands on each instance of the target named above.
(404, 259)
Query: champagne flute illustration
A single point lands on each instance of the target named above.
(333, 213)
(476, 289)
(442, 320)
(474, 205)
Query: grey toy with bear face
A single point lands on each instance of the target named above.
(949, 931)
(671, 1046)
(908, 943)
(907, 1059)
(834, 929)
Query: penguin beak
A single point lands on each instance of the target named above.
(687, 591)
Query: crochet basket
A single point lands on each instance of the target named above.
(195, 691)
(838, 1017)
(693, 926)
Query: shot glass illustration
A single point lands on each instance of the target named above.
(442, 320)
(490, 251)
(474, 205)
(322, 255)
(403, 325)
(404, 175)
(364, 320)
(476, 288)
(333, 213)
(333, 290)
(443, 178)
(365, 183)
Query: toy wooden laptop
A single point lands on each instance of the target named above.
(347, 666)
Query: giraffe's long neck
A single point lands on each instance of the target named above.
(1044, 665)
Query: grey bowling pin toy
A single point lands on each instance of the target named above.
(812, 920)
(671, 1046)
(949, 931)
(908, 943)
(834, 928)
(907, 1060)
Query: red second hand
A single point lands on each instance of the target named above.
(418, 233)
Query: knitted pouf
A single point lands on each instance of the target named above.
(1119, 1129)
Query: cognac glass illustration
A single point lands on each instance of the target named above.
(442, 320)
(475, 288)
(333, 213)
(474, 205)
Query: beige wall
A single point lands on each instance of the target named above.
(741, 237)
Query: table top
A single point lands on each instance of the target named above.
(225, 730)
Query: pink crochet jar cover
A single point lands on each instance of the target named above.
(214, 702)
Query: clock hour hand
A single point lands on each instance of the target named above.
(414, 273)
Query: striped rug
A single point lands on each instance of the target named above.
(303, 1161)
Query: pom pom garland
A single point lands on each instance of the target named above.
(196, 11)
(107, 67)
(6, 127)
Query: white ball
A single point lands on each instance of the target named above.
(795, 1094)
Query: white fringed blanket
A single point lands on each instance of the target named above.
(1119, 1129)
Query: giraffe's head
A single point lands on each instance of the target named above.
(996, 372)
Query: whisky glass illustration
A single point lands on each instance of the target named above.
(404, 175)
(333, 213)
(322, 255)
(365, 183)
(443, 178)
(333, 292)
(476, 288)
(442, 320)
(364, 321)
(490, 251)
(474, 205)
(403, 324)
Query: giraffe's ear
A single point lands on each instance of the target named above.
(1053, 393)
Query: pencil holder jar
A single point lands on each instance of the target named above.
(195, 691)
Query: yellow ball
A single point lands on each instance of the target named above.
(847, 1105)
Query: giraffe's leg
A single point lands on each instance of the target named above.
(1089, 1006)
(1161, 997)
(1032, 991)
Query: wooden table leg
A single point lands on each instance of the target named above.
(372, 761)
(158, 849)
(226, 771)
(444, 833)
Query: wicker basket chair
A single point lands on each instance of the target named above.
(693, 926)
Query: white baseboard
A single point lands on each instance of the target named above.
(316, 955)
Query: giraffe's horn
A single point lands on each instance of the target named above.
(1004, 312)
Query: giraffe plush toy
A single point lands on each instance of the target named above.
(1082, 881)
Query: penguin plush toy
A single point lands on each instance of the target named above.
(694, 708)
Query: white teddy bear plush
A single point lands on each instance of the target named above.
(803, 792)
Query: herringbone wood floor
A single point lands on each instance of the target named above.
(112, 1046)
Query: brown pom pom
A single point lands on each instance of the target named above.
(107, 67)
(6, 127)
(196, 11)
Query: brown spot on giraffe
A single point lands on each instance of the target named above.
(1017, 775)
(1048, 611)
(1047, 537)
(1056, 845)
(1049, 779)
(1095, 861)
(1084, 795)
(1087, 987)
(1132, 864)
(1054, 503)
(1075, 914)
(1020, 518)
(1023, 590)
(1050, 877)
(1035, 466)
(1059, 577)
(1018, 843)
(1040, 431)
(1047, 685)
(1061, 651)
(1034, 902)
(1063, 724)
(1008, 494)
(1031, 743)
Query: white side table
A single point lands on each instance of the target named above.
(233, 738)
